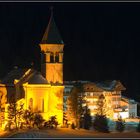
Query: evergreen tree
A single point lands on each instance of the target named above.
(100, 122)
(15, 114)
(12, 115)
(87, 119)
(101, 105)
(20, 113)
(120, 126)
(75, 103)
(138, 127)
(65, 120)
(28, 117)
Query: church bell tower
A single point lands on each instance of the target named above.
(52, 53)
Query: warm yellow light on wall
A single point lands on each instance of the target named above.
(95, 99)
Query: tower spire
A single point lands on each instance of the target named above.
(51, 9)
(51, 35)
(52, 52)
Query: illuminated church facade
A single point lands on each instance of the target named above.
(41, 92)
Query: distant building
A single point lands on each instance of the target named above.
(68, 86)
(116, 104)
(129, 106)
(67, 91)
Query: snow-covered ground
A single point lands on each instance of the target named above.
(70, 133)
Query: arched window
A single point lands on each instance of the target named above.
(41, 105)
(31, 103)
(52, 58)
(56, 57)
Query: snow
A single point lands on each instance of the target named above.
(26, 135)
(70, 133)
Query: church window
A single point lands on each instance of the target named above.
(51, 58)
(57, 57)
(31, 103)
(41, 105)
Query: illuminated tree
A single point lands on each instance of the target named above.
(100, 122)
(28, 117)
(12, 115)
(76, 104)
(15, 114)
(101, 105)
(2, 107)
(65, 119)
(20, 113)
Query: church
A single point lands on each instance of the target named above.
(40, 91)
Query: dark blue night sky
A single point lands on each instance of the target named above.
(102, 40)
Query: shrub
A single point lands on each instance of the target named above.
(100, 123)
(120, 126)
(38, 120)
(138, 127)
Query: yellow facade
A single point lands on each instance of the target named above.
(43, 94)
(46, 99)
(52, 71)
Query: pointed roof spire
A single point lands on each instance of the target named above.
(51, 35)
(51, 8)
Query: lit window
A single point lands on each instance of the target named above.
(31, 103)
(95, 99)
(52, 58)
(88, 94)
(41, 105)
(91, 94)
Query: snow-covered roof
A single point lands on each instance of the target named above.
(15, 73)
(74, 82)
(24, 75)
(129, 100)
(110, 85)
(37, 78)
(107, 85)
